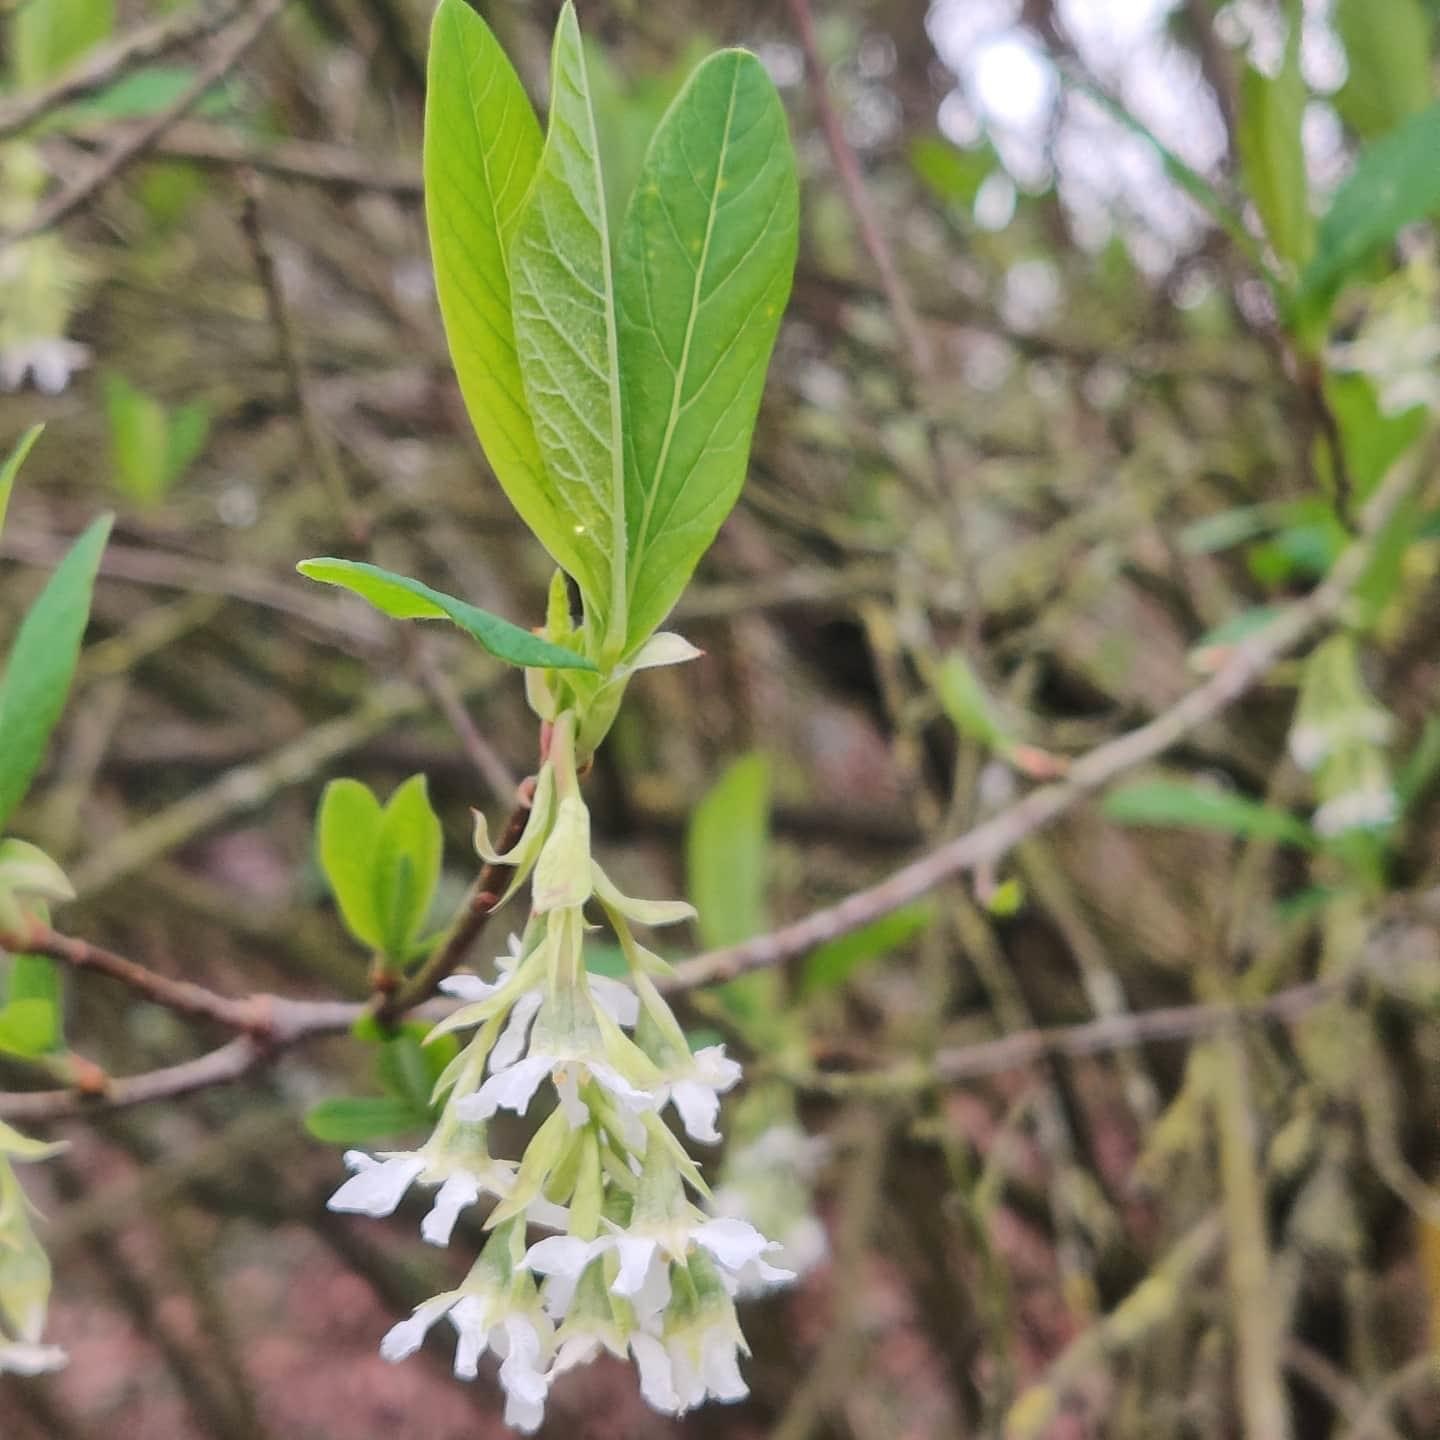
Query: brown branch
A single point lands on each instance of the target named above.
(109, 62)
(311, 162)
(1245, 667)
(133, 145)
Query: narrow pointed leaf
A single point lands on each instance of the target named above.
(565, 331)
(42, 663)
(407, 599)
(1192, 806)
(705, 263)
(1272, 157)
(11, 468)
(482, 146)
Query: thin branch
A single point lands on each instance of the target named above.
(1245, 667)
(228, 53)
(912, 333)
(138, 47)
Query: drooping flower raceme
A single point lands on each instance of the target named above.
(24, 1267)
(633, 1265)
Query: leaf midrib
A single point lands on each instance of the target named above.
(682, 369)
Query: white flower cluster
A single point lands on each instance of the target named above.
(635, 1267)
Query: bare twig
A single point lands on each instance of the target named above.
(228, 53)
(138, 47)
(1246, 666)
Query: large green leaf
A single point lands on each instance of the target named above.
(566, 335)
(1272, 157)
(42, 663)
(407, 599)
(1194, 806)
(1387, 50)
(705, 263)
(834, 963)
(482, 147)
(1395, 182)
(11, 466)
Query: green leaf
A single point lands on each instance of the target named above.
(1272, 157)
(833, 964)
(33, 977)
(406, 867)
(566, 336)
(355, 1119)
(42, 663)
(1196, 806)
(188, 431)
(46, 36)
(705, 263)
(727, 854)
(1373, 440)
(966, 705)
(348, 832)
(405, 1071)
(139, 440)
(1395, 182)
(27, 1028)
(482, 148)
(11, 468)
(406, 599)
(950, 173)
(1387, 50)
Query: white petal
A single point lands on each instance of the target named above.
(720, 1362)
(20, 1359)
(654, 1295)
(511, 1044)
(567, 1090)
(636, 1253)
(562, 1255)
(458, 1191)
(541, 1211)
(733, 1243)
(377, 1188)
(526, 1383)
(616, 999)
(471, 1319)
(511, 1089)
(697, 1105)
(656, 1382)
(715, 1069)
(469, 988)
(404, 1339)
(620, 1087)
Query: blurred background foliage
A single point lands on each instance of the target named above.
(1111, 316)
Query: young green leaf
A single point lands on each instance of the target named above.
(1194, 806)
(833, 964)
(406, 1072)
(11, 468)
(1395, 182)
(1272, 157)
(406, 867)
(47, 38)
(33, 977)
(482, 147)
(27, 1028)
(566, 336)
(406, 599)
(42, 663)
(1387, 53)
(705, 263)
(348, 834)
(139, 440)
(356, 1119)
(727, 853)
